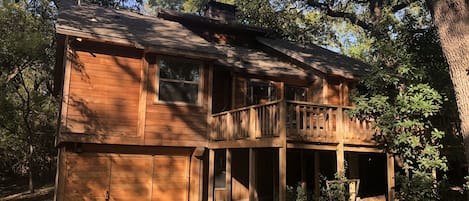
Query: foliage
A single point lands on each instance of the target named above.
(27, 108)
(296, 194)
(418, 187)
(337, 190)
(399, 96)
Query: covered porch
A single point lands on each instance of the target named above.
(268, 174)
(262, 152)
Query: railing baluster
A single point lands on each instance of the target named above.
(312, 122)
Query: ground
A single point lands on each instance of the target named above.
(15, 189)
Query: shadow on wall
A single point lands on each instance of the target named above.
(129, 175)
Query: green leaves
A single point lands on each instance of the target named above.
(419, 100)
(27, 108)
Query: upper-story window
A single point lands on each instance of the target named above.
(179, 81)
(296, 93)
(260, 92)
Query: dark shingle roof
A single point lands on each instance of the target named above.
(319, 58)
(260, 63)
(130, 28)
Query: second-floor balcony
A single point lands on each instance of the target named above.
(296, 121)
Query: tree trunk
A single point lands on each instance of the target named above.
(30, 169)
(452, 19)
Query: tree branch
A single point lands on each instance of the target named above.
(401, 6)
(333, 13)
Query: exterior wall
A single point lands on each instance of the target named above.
(104, 90)
(322, 90)
(166, 121)
(111, 98)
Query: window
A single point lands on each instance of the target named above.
(178, 82)
(296, 93)
(260, 92)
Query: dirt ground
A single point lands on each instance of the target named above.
(16, 189)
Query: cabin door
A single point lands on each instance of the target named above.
(126, 177)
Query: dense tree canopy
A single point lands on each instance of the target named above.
(27, 108)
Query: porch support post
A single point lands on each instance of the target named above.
(282, 177)
(282, 154)
(317, 174)
(252, 175)
(228, 174)
(211, 173)
(390, 176)
(340, 147)
(340, 159)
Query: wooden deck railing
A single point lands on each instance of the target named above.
(257, 121)
(303, 122)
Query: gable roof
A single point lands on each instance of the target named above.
(118, 26)
(252, 61)
(319, 58)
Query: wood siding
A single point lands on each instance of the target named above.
(175, 122)
(111, 99)
(104, 89)
(132, 174)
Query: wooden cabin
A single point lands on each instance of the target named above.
(182, 107)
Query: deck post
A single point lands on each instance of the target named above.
(252, 175)
(229, 127)
(340, 147)
(252, 124)
(390, 176)
(211, 173)
(282, 161)
(282, 153)
(340, 159)
(228, 174)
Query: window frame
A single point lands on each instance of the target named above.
(197, 63)
(307, 91)
(260, 82)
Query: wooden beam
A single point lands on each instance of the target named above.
(390, 177)
(340, 159)
(67, 65)
(209, 88)
(325, 86)
(259, 143)
(282, 153)
(253, 122)
(363, 149)
(142, 102)
(317, 175)
(340, 153)
(282, 161)
(312, 146)
(101, 139)
(252, 175)
(60, 175)
(228, 174)
(211, 174)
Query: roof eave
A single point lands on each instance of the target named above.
(148, 48)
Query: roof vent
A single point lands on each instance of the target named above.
(220, 11)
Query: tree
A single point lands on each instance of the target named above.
(452, 19)
(28, 109)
